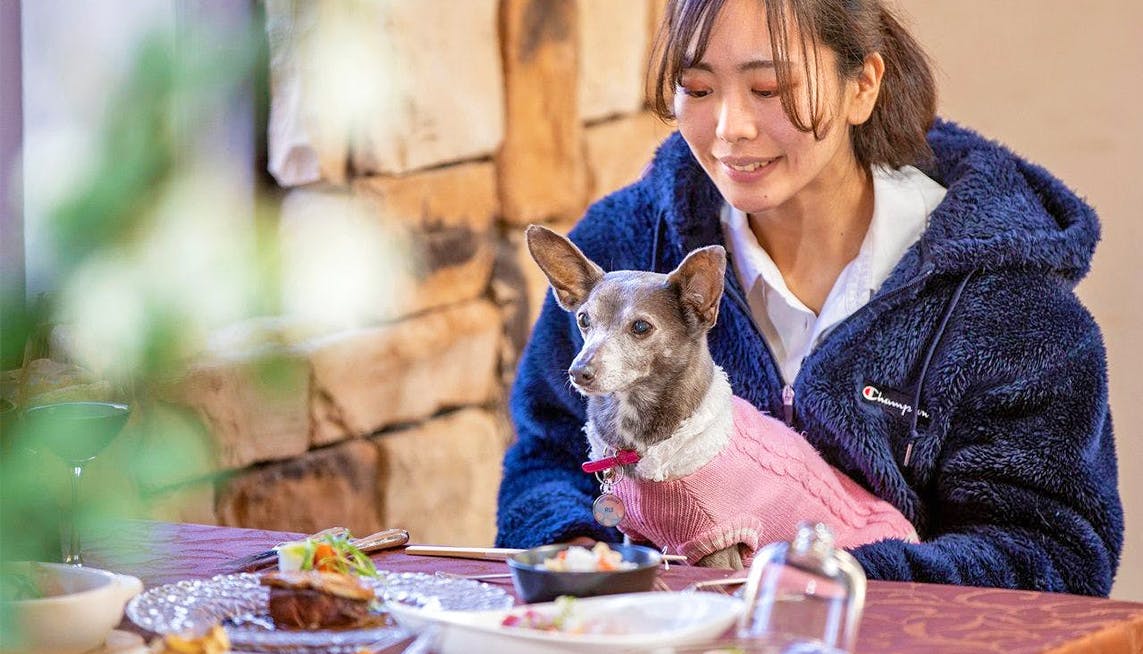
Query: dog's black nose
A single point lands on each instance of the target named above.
(582, 375)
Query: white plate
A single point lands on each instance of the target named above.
(647, 621)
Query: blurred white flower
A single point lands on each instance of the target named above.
(105, 304)
(56, 161)
(200, 254)
(191, 269)
(340, 265)
(331, 76)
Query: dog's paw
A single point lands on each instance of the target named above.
(725, 558)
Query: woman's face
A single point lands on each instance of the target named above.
(729, 112)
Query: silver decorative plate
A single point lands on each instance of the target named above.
(239, 602)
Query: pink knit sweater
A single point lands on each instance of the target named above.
(755, 491)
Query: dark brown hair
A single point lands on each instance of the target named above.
(893, 136)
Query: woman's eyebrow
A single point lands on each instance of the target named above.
(746, 66)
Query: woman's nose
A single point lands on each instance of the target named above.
(735, 119)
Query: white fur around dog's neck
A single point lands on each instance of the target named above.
(697, 440)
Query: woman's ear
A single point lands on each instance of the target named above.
(865, 88)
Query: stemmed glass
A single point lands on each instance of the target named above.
(76, 432)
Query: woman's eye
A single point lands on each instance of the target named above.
(766, 93)
(583, 320)
(640, 328)
(693, 92)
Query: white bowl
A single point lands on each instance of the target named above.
(77, 610)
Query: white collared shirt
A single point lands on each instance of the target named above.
(902, 202)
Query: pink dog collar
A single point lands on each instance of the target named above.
(621, 458)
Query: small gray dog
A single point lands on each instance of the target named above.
(645, 366)
(690, 448)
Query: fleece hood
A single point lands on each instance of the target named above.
(1000, 212)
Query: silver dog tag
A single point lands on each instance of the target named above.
(608, 510)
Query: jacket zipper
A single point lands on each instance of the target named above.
(924, 274)
(787, 394)
(788, 404)
(908, 451)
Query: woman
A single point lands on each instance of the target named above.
(920, 328)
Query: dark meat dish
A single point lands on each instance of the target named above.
(313, 599)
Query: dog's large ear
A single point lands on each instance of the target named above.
(571, 274)
(699, 279)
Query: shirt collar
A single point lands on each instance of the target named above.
(902, 202)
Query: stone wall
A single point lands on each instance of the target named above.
(481, 117)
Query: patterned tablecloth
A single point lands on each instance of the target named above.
(899, 617)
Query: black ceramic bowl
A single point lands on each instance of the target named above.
(535, 583)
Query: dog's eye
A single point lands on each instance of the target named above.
(583, 320)
(640, 328)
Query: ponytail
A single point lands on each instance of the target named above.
(894, 134)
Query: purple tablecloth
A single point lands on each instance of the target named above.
(899, 617)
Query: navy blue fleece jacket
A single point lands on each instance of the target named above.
(1011, 479)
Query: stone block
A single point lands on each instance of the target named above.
(366, 380)
(343, 266)
(439, 480)
(441, 90)
(192, 502)
(444, 221)
(390, 86)
(519, 289)
(509, 292)
(618, 151)
(307, 137)
(540, 164)
(254, 409)
(613, 51)
(326, 487)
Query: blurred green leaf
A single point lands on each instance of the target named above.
(146, 151)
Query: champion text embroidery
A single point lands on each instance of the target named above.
(874, 394)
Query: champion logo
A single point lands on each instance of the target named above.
(873, 394)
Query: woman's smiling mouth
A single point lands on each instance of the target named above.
(744, 169)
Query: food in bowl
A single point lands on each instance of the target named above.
(535, 582)
(600, 558)
(35, 595)
(314, 600)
